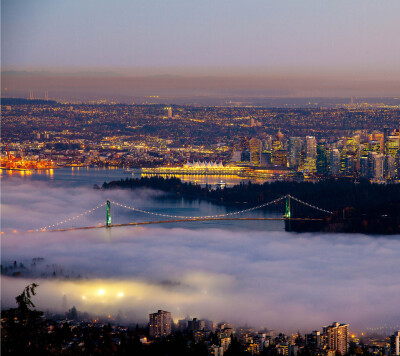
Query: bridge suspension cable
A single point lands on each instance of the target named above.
(309, 205)
(199, 217)
(181, 216)
(72, 218)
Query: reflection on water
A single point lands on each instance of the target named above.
(98, 175)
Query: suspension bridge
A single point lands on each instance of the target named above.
(288, 216)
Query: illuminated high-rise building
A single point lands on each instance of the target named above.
(311, 147)
(160, 324)
(352, 143)
(349, 165)
(279, 158)
(395, 344)
(255, 151)
(266, 158)
(376, 165)
(392, 145)
(335, 161)
(322, 160)
(375, 146)
(397, 164)
(337, 337)
(389, 168)
(294, 157)
(277, 145)
(364, 167)
(386, 132)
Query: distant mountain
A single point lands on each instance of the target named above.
(60, 74)
(21, 101)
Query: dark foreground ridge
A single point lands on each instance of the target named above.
(361, 207)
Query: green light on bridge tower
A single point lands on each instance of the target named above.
(108, 220)
(287, 211)
(287, 216)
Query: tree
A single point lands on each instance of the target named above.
(23, 329)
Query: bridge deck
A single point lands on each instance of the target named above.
(178, 221)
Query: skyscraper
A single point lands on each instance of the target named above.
(395, 344)
(337, 337)
(160, 324)
(322, 160)
(255, 151)
(311, 147)
(335, 161)
(295, 145)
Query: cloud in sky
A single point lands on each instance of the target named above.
(273, 279)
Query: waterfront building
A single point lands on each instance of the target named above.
(246, 155)
(266, 158)
(279, 158)
(160, 324)
(337, 337)
(236, 156)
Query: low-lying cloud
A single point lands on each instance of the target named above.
(265, 278)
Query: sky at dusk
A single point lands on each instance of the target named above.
(210, 36)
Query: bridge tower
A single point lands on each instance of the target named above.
(108, 219)
(288, 213)
(287, 210)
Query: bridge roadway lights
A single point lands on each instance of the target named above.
(108, 218)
